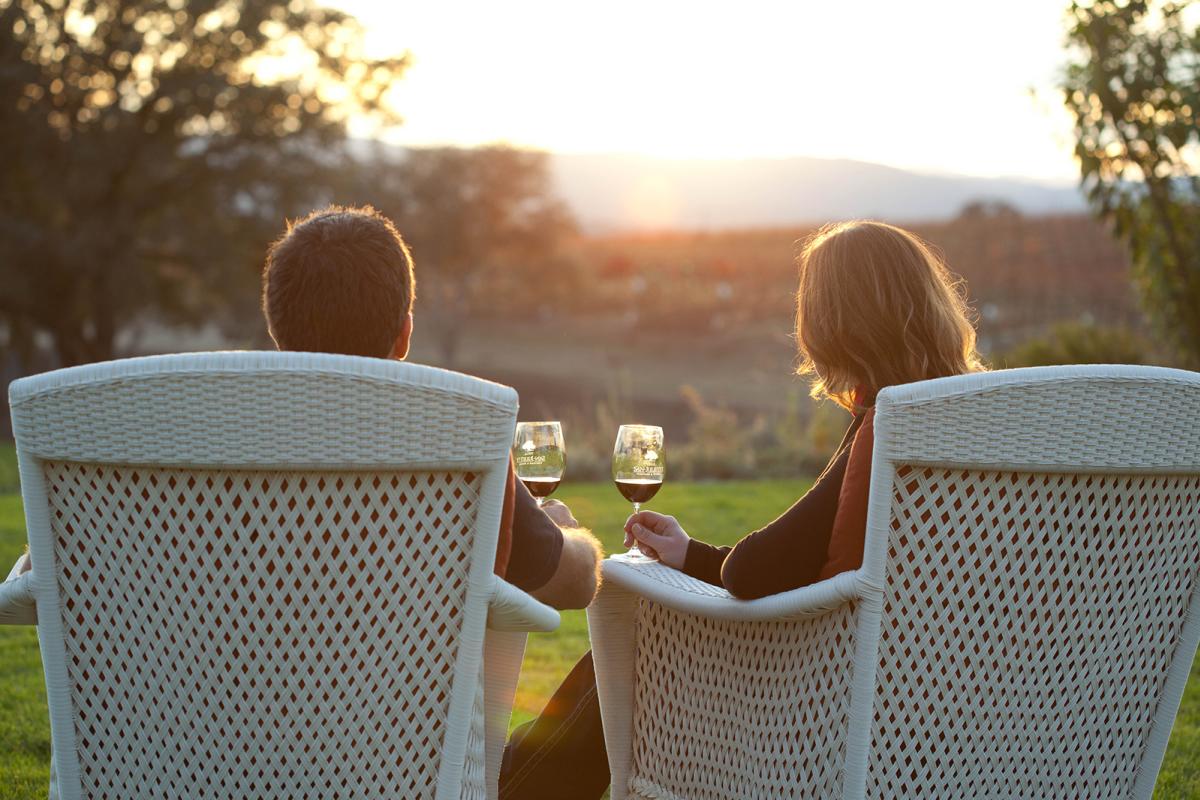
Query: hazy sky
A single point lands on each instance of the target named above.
(936, 85)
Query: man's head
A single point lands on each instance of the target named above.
(340, 281)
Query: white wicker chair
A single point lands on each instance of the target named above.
(1022, 626)
(269, 575)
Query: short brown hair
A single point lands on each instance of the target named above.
(876, 306)
(338, 281)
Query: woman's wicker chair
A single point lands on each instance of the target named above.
(269, 575)
(1022, 626)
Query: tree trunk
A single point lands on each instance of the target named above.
(69, 347)
(74, 346)
(450, 314)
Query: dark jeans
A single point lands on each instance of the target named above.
(561, 753)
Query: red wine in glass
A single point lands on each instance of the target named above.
(638, 490)
(539, 457)
(639, 466)
(541, 488)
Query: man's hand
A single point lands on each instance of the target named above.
(562, 516)
(658, 536)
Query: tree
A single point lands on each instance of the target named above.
(484, 224)
(150, 149)
(1133, 88)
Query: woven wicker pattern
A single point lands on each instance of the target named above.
(681, 582)
(743, 699)
(261, 634)
(1011, 426)
(1054, 604)
(475, 776)
(260, 420)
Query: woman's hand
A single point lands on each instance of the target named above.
(658, 536)
(560, 514)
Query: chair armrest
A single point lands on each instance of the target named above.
(17, 606)
(676, 590)
(503, 653)
(741, 670)
(510, 609)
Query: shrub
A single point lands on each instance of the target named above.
(1080, 343)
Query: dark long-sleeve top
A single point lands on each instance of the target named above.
(787, 553)
(537, 543)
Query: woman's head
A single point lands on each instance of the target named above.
(876, 307)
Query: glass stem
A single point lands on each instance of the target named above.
(633, 548)
(540, 500)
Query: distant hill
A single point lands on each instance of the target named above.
(629, 192)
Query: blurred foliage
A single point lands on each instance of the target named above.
(152, 148)
(1079, 343)
(720, 444)
(1133, 88)
(484, 224)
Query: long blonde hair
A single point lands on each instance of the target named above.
(877, 307)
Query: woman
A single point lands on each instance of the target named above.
(875, 308)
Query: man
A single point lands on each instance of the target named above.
(341, 281)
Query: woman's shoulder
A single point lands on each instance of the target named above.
(864, 436)
(863, 425)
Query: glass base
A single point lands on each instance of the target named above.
(634, 556)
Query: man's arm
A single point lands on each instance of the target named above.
(558, 566)
(577, 575)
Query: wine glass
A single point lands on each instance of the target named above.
(539, 457)
(638, 470)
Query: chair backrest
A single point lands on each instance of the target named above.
(1032, 570)
(261, 574)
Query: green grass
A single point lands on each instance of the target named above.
(716, 512)
(24, 725)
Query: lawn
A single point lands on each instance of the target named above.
(718, 512)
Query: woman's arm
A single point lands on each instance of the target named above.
(704, 561)
(786, 554)
(789, 552)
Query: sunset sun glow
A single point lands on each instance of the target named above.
(937, 85)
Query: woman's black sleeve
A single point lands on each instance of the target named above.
(790, 552)
(786, 554)
(703, 561)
